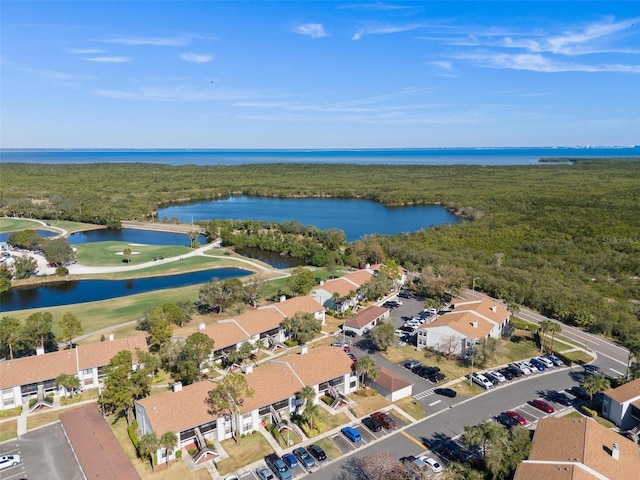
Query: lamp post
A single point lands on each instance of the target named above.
(473, 286)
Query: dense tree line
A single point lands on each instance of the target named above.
(562, 239)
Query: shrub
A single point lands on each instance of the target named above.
(11, 413)
(192, 451)
(588, 411)
(131, 429)
(523, 325)
(178, 454)
(327, 399)
(290, 343)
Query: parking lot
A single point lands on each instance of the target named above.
(45, 453)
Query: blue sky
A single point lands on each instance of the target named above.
(318, 74)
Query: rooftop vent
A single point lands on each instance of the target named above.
(615, 451)
(177, 387)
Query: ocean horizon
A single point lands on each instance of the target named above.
(361, 156)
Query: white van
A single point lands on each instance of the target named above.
(481, 380)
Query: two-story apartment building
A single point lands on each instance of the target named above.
(621, 405)
(275, 386)
(23, 378)
(467, 321)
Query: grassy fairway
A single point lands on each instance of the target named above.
(112, 253)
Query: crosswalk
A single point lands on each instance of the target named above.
(425, 394)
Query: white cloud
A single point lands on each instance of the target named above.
(154, 41)
(382, 29)
(107, 59)
(85, 51)
(539, 63)
(196, 57)
(311, 30)
(446, 65)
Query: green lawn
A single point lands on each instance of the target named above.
(112, 253)
(251, 448)
(8, 430)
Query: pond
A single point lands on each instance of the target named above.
(66, 293)
(356, 217)
(133, 235)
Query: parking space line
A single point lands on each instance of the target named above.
(435, 403)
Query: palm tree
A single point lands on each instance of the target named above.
(554, 328)
(366, 367)
(594, 384)
(543, 328)
(307, 395)
(169, 441)
(148, 446)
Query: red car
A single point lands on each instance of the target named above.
(542, 405)
(386, 421)
(516, 416)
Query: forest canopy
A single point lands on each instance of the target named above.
(561, 238)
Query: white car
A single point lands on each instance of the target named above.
(433, 464)
(7, 461)
(481, 380)
(497, 375)
(547, 363)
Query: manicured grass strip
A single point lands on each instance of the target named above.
(412, 406)
(8, 430)
(251, 448)
(370, 403)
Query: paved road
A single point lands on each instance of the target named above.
(592, 342)
(449, 423)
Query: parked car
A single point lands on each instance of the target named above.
(506, 420)
(231, 477)
(7, 461)
(555, 360)
(447, 392)
(317, 452)
(453, 452)
(290, 460)
(264, 473)
(405, 295)
(547, 361)
(515, 371)
(481, 380)
(516, 416)
(425, 371)
(561, 398)
(495, 375)
(353, 358)
(418, 463)
(304, 457)
(542, 405)
(530, 366)
(386, 421)
(539, 364)
(437, 377)
(343, 345)
(507, 373)
(277, 465)
(433, 464)
(349, 333)
(352, 434)
(521, 367)
(411, 364)
(579, 393)
(372, 424)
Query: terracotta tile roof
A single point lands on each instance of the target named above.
(462, 322)
(226, 333)
(261, 320)
(626, 392)
(360, 277)
(342, 286)
(271, 383)
(178, 411)
(37, 368)
(319, 364)
(365, 317)
(465, 312)
(294, 305)
(585, 443)
(99, 354)
(390, 381)
(551, 471)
